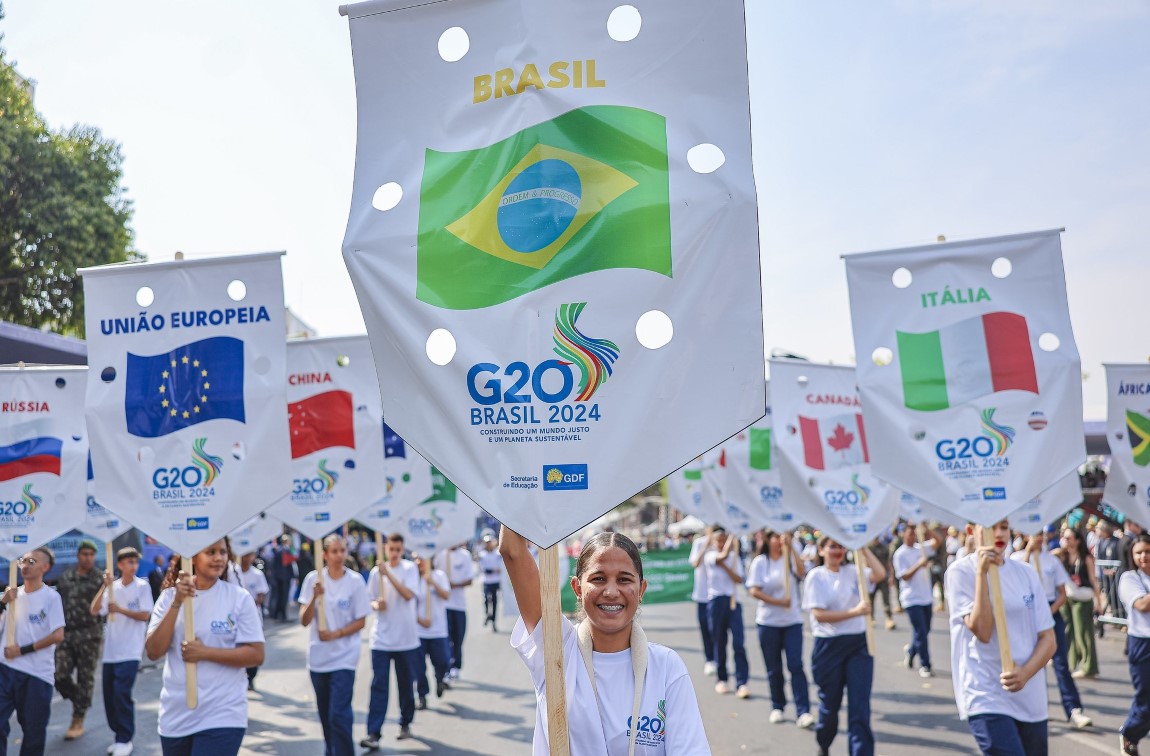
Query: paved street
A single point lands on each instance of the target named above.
(491, 711)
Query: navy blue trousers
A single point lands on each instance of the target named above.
(333, 700)
(704, 617)
(118, 679)
(1000, 735)
(841, 665)
(1067, 689)
(438, 650)
(775, 641)
(724, 619)
(919, 617)
(1137, 722)
(381, 684)
(220, 741)
(31, 698)
(456, 629)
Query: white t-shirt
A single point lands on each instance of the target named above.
(395, 627)
(669, 719)
(915, 591)
(225, 617)
(1053, 573)
(490, 565)
(38, 615)
(344, 601)
(767, 575)
(462, 570)
(719, 583)
(699, 590)
(836, 592)
(124, 636)
(438, 627)
(976, 666)
(255, 582)
(1133, 585)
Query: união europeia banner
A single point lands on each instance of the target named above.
(546, 209)
(185, 395)
(968, 370)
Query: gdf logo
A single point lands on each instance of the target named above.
(565, 477)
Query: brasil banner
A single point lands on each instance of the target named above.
(1128, 433)
(546, 209)
(968, 371)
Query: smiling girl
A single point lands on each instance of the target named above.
(613, 676)
(228, 638)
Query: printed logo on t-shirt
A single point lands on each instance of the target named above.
(224, 626)
(651, 730)
(344, 603)
(38, 619)
(1028, 600)
(134, 605)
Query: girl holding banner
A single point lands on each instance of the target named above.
(228, 638)
(1134, 592)
(840, 660)
(622, 691)
(774, 580)
(1004, 708)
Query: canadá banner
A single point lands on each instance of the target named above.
(337, 448)
(1128, 433)
(185, 402)
(825, 450)
(970, 379)
(43, 456)
(546, 209)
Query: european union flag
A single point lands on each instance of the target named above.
(393, 445)
(191, 384)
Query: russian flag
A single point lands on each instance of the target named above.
(35, 455)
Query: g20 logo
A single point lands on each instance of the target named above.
(177, 477)
(652, 725)
(840, 499)
(485, 382)
(964, 448)
(770, 495)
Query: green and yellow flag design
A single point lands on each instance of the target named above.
(1138, 431)
(583, 192)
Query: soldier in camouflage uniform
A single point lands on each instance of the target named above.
(83, 633)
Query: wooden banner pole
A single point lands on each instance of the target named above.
(999, 611)
(111, 571)
(12, 575)
(557, 734)
(864, 590)
(189, 633)
(320, 566)
(379, 559)
(787, 569)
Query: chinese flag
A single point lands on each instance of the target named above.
(321, 421)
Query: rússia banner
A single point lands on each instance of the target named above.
(407, 483)
(1128, 433)
(185, 401)
(1048, 506)
(254, 533)
(748, 475)
(669, 577)
(825, 450)
(970, 379)
(334, 419)
(99, 522)
(543, 218)
(43, 456)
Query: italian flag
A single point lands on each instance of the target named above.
(966, 360)
(833, 442)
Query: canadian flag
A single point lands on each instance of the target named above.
(833, 442)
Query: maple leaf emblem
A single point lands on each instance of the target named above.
(841, 440)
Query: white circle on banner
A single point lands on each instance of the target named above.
(262, 365)
(440, 346)
(803, 380)
(901, 278)
(1048, 342)
(454, 44)
(145, 455)
(624, 23)
(654, 329)
(882, 356)
(387, 196)
(237, 290)
(1001, 267)
(145, 296)
(705, 158)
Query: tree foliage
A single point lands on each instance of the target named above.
(61, 208)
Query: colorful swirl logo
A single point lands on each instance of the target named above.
(862, 491)
(1001, 435)
(32, 500)
(593, 356)
(209, 464)
(436, 519)
(661, 710)
(329, 477)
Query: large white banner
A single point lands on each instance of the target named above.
(254, 533)
(407, 484)
(968, 370)
(553, 236)
(337, 447)
(43, 456)
(824, 452)
(1128, 433)
(749, 475)
(185, 402)
(445, 518)
(1048, 506)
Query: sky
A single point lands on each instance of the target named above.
(875, 125)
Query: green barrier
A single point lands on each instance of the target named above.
(669, 575)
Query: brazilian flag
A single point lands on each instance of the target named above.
(585, 191)
(1138, 429)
